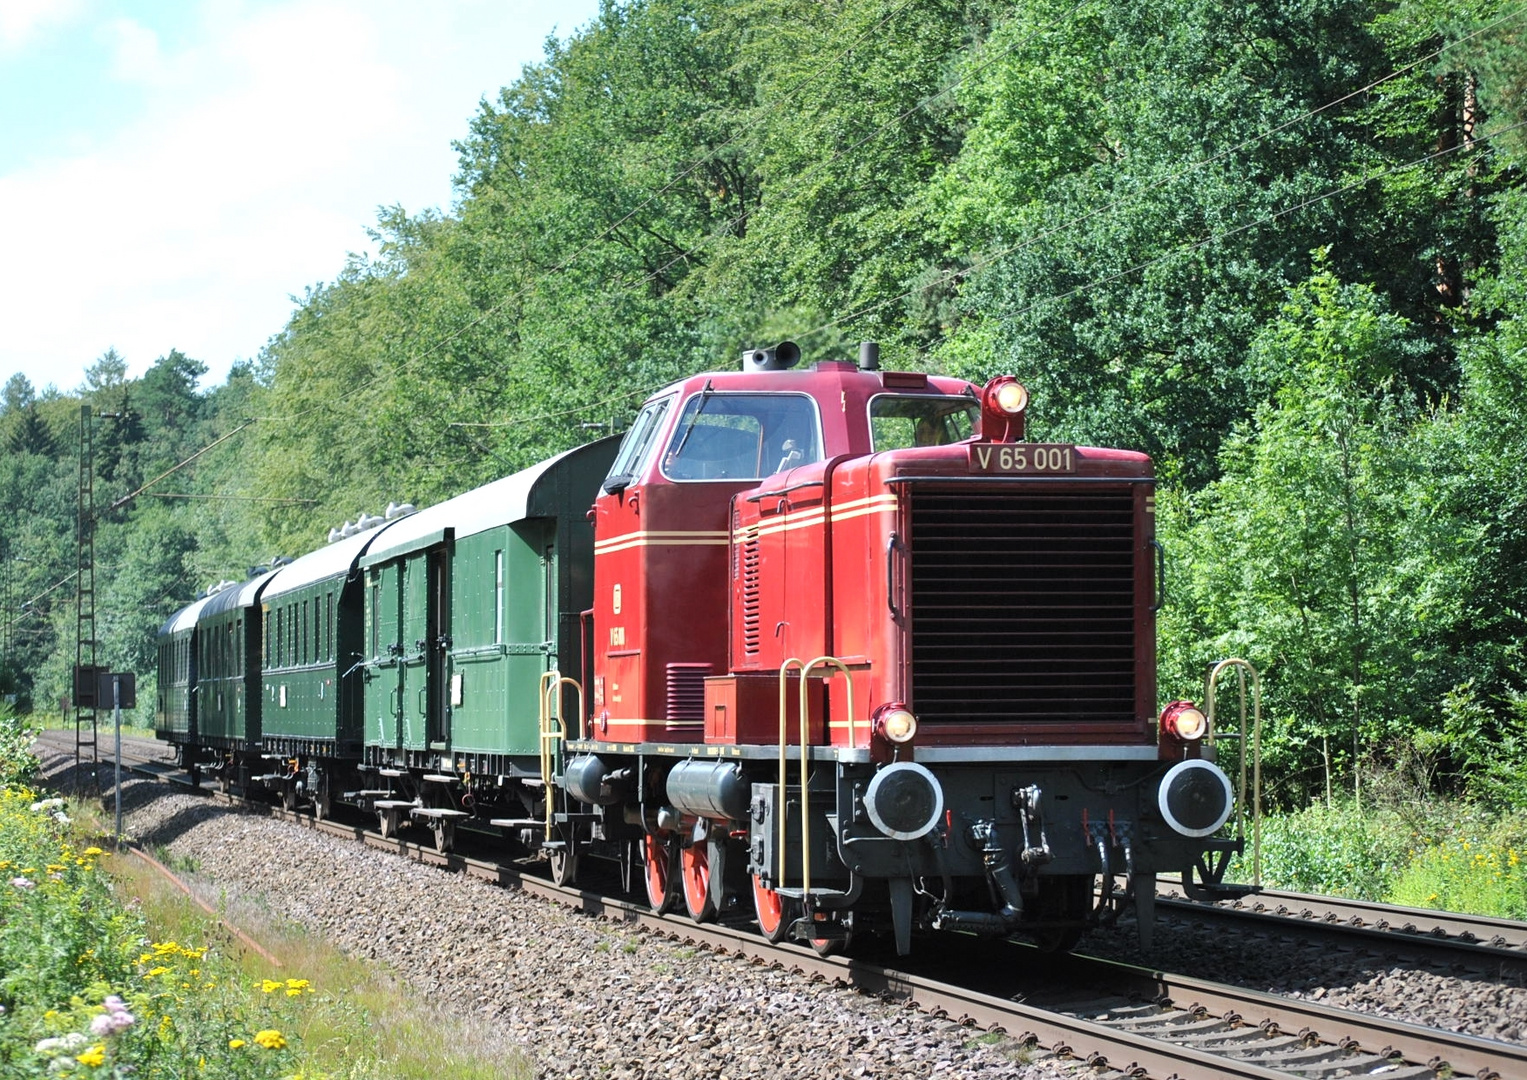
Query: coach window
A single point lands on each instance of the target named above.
(901, 421)
(742, 436)
(498, 598)
(632, 456)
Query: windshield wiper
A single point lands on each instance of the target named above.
(690, 425)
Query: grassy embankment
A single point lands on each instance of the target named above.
(109, 970)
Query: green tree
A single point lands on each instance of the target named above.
(31, 435)
(1308, 555)
(17, 394)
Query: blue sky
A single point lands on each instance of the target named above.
(173, 172)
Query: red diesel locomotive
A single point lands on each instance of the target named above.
(860, 654)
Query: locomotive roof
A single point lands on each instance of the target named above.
(819, 377)
(525, 494)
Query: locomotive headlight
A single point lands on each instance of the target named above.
(1003, 401)
(1011, 397)
(1182, 721)
(895, 722)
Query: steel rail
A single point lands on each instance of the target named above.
(1470, 928)
(1438, 1048)
(1324, 922)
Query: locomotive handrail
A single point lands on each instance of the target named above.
(805, 716)
(552, 683)
(762, 495)
(1253, 749)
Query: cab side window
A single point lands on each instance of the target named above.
(632, 456)
(901, 421)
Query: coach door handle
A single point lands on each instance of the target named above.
(892, 545)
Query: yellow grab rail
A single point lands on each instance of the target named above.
(1252, 750)
(805, 718)
(552, 683)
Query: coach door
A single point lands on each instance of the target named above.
(439, 650)
(417, 648)
(384, 689)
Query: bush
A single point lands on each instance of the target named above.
(1340, 850)
(1458, 875)
(18, 765)
(84, 993)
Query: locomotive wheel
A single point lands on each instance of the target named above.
(775, 913)
(657, 870)
(694, 868)
(832, 946)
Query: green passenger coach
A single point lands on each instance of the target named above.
(175, 707)
(468, 604)
(228, 667)
(312, 685)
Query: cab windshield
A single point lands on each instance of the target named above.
(742, 436)
(899, 421)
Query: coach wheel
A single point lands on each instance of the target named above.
(288, 798)
(775, 913)
(658, 872)
(694, 868)
(387, 823)
(445, 835)
(564, 860)
(322, 805)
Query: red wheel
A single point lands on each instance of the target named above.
(831, 946)
(775, 913)
(694, 867)
(657, 864)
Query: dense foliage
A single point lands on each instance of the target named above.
(1279, 246)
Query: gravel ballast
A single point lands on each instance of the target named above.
(586, 998)
(590, 998)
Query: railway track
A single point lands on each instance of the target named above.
(1120, 1019)
(1478, 941)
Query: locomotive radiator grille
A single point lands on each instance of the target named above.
(1022, 606)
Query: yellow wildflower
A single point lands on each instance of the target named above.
(96, 1055)
(234, 1044)
(92, 851)
(271, 1039)
(270, 986)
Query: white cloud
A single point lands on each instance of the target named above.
(135, 52)
(269, 132)
(22, 20)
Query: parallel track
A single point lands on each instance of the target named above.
(1146, 1024)
(1479, 942)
